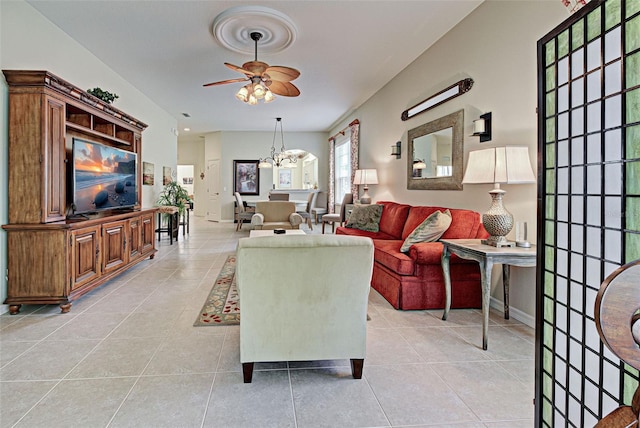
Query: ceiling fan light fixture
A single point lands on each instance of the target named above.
(252, 100)
(268, 96)
(243, 94)
(259, 91)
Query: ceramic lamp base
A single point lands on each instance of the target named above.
(365, 198)
(497, 221)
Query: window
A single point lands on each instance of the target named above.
(342, 169)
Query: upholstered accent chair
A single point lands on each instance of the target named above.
(276, 215)
(337, 217)
(298, 314)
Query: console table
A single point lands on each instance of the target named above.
(486, 256)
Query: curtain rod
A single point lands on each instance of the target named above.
(341, 132)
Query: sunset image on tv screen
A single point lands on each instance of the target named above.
(104, 177)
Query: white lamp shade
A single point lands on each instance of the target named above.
(366, 176)
(509, 165)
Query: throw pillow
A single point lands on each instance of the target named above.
(365, 217)
(431, 229)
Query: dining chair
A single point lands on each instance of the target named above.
(278, 196)
(306, 214)
(319, 207)
(337, 217)
(242, 213)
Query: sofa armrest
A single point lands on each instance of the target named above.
(426, 253)
(295, 219)
(257, 220)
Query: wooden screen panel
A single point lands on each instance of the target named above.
(589, 169)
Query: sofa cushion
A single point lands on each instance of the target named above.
(465, 224)
(393, 217)
(358, 232)
(431, 229)
(365, 217)
(387, 253)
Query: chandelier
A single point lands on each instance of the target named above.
(282, 159)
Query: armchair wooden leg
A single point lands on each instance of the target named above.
(357, 365)
(247, 372)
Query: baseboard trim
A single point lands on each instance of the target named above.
(514, 313)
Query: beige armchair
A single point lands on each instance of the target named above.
(276, 215)
(301, 314)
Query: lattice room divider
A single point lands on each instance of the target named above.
(588, 205)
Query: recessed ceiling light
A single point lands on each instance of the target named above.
(187, 129)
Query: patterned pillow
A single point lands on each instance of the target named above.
(431, 229)
(366, 217)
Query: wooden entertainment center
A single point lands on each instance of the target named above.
(54, 257)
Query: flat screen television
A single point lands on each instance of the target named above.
(104, 177)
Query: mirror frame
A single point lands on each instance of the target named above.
(453, 182)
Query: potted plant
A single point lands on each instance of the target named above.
(174, 195)
(105, 96)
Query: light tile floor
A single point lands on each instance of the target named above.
(127, 355)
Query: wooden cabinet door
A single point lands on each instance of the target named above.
(135, 238)
(53, 161)
(114, 245)
(148, 230)
(85, 256)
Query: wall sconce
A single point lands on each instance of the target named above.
(396, 149)
(482, 127)
(201, 175)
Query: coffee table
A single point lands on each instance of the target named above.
(269, 232)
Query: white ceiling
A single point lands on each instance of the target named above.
(345, 50)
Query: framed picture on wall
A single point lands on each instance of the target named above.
(147, 173)
(246, 177)
(166, 175)
(284, 178)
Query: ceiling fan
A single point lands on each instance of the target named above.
(264, 80)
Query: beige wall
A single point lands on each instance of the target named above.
(495, 46)
(30, 42)
(253, 145)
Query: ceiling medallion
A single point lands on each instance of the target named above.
(233, 27)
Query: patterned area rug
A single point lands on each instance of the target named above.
(221, 306)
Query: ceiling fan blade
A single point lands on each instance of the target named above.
(239, 69)
(281, 73)
(286, 89)
(222, 82)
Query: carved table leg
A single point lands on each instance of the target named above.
(65, 307)
(447, 282)
(506, 278)
(485, 270)
(14, 309)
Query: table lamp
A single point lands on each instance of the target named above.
(509, 165)
(366, 177)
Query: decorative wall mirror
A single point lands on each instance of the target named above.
(436, 152)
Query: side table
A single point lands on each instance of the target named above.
(486, 256)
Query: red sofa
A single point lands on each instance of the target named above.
(415, 280)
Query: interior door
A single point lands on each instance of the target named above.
(213, 190)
